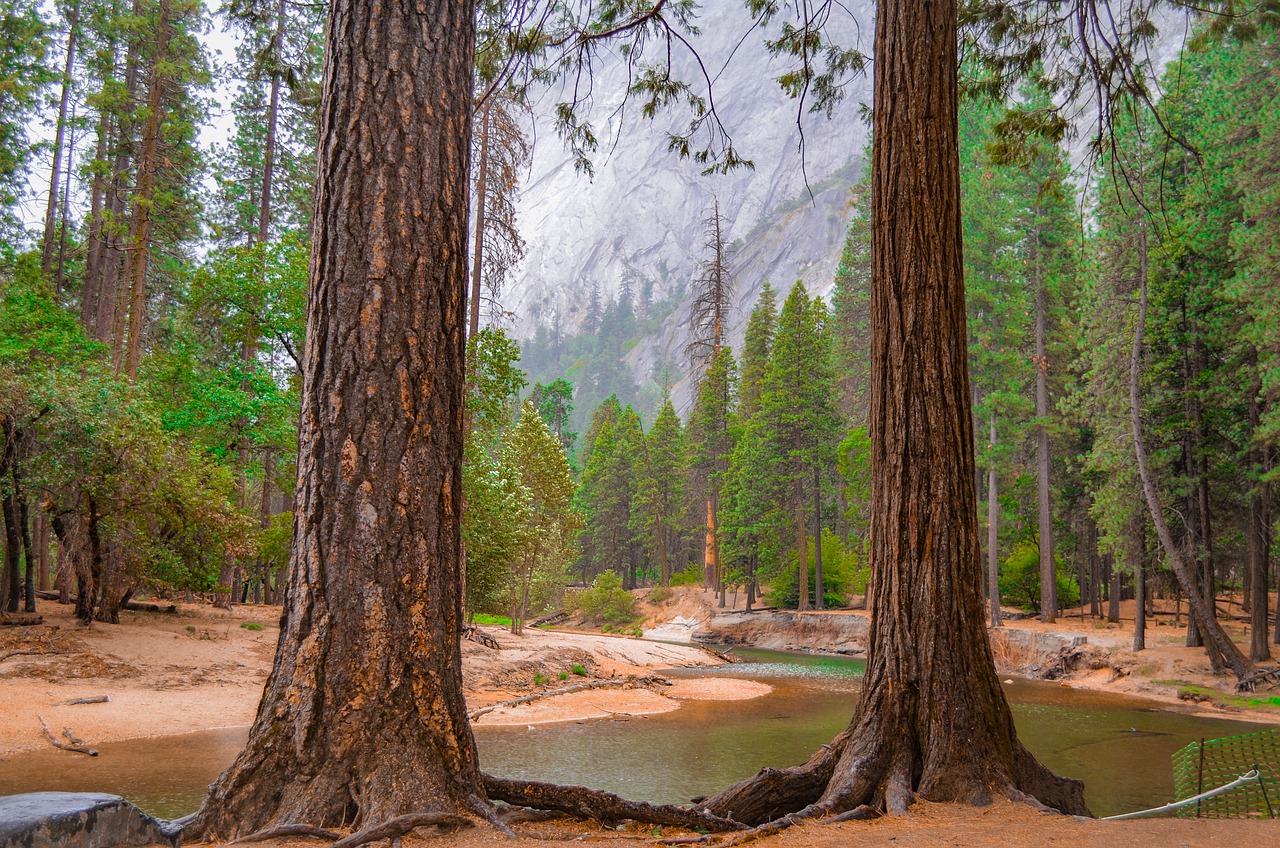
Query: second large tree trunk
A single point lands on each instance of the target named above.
(932, 720)
(363, 717)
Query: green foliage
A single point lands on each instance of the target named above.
(606, 601)
(579, 670)
(843, 574)
(1020, 579)
(251, 625)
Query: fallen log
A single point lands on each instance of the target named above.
(57, 743)
(600, 806)
(46, 595)
(147, 606)
(20, 619)
(97, 699)
(568, 690)
(722, 655)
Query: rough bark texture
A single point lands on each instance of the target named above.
(600, 806)
(993, 537)
(932, 720)
(363, 717)
(1048, 575)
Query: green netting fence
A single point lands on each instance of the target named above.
(1209, 763)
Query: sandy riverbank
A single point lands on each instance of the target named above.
(1166, 671)
(204, 669)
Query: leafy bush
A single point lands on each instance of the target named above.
(606, 600)
(1020, 579)
(690, 576)
(579, 670)
(841, 576)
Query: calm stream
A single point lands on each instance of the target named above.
(1119, 746)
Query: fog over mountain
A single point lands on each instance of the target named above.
(643, 213)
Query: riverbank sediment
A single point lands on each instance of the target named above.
(1075, 650)
(203, 669)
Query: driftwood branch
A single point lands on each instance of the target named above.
(648, 680)
(76, 746)
(97, 699)
(7, 654)
(600, 806)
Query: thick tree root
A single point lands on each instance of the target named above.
(485, 810)
(393, 829)
(774, 793)
(601, 806)
(288, 830)
(399, 826)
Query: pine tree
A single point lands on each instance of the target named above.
(756, 348)
(797, 410)
(662, 485)
(710, 445)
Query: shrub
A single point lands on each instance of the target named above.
(1020, 579)
(606, 600)
(691, 574)
(579, 670)
(660, 594)
(251, 625)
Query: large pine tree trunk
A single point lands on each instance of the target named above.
(47, 244)
(932, 720)
(1048, 571)
(363, 717)
(993, 536)
(144, 195)
(1258, 530)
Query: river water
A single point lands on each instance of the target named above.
(1120, 746)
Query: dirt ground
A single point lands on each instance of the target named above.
(204, 669)
(1003, 824)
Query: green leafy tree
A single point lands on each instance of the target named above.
(547, 524)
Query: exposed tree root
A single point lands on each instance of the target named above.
(774, 793)
(399, 826)
(485, 810)
(601, 806)
(288, 830)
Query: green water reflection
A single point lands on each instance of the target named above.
(1119, 746)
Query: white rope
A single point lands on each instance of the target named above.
(1248, 777)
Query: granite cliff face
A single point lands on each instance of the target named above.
(643, 212)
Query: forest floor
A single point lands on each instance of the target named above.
(1003, 824)
(204, 669)
(1165, 670)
